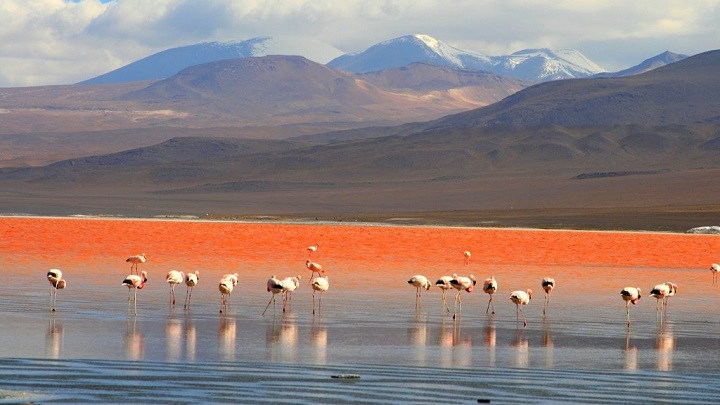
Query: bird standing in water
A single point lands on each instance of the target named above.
(54, 276)
(521, 298)
(191, 280)
(490, 287)
(548, 283)
(174, 278)
(135, 282)
(135, 260)
(630, 295)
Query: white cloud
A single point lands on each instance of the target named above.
(63, 41)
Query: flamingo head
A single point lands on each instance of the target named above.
(529, 293)
(472, 277)
(61, 284)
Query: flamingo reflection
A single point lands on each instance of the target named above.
(665, 345)
(319, 341)
(173, 339)
(134, 342)
(631, 353)
(522, 349)
(227, 332)
(190, 339)
(283, 339)
(54, 339)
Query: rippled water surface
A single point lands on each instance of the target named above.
(396, 349)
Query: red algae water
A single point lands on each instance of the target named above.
(369, 324)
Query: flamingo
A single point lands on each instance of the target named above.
(490, 287)
(54, 276)
(320, 284)
(467, 256)
(135, 260)
(314, 268)
(444, 284)
(714, 268)
(461, 283)
(548, 283)
(521, 298)
(135, 282)
(226, 286)
(174, 278)
(419, 282)
(662, 292)
(274, 286)
(191, 280)
(630, 295)
(312, 248)
(290, 284)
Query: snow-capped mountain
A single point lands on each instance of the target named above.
(531, 64)
(647, 65)
(169, 62)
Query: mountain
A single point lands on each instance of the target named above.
(263, 97)
(647, 65)
(654, 154)
(684, 92)
(171, 61)
(531, 64)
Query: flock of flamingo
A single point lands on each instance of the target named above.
(136, 281)
(320, 283)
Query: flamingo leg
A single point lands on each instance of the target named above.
(222, 302)
(188, 292)
(285, 300)
(135, 302)
(272, 300)
(313, 302)
(523, 316)
(627, 309)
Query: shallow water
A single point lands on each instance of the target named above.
(370, 324)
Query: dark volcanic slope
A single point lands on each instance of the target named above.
(685, 92)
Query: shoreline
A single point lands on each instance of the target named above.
(304, 221)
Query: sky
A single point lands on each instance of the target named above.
(49, 42)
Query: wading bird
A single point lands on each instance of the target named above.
(444, 284)
(467, 256)
(135, 282)
(461, 283)
(314, 268)
(419, 282)
(174, 278)
(319, 284)
(135, 260)
(312, 249)
(548, 283)
(54, 276)
(490, 287)
(276, 287)
(630, 295)
(714, 268)
(662, 292)
(191, 280)
(226, 286)
(521, 298)
(290, 284)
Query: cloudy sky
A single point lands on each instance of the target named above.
(65, 41)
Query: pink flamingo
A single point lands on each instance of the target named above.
(135, 260)
(274, 286)
(312, 248)
(521, 298)
(54, 276)
(467, 255)
(630, 295)
(548, 283)
(444, 284)
(290, 284)
(314, 268)
(191, 280)
(174, 278)
(226, 286)
(419, 282)
(135, 282)
(319, 284)
(714, 268)
(461, 283)
(490, 287)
